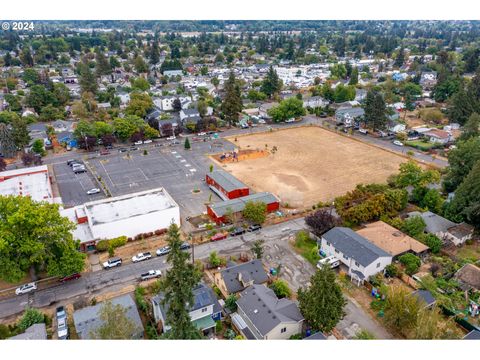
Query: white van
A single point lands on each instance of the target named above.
(330, 260)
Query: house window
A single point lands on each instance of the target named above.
(336, 251)
(328, 244)
(204, 310)
(283, 330)
(378, 265)
(345, 257)
(357, 264)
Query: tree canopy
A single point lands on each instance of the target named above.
(35, 234)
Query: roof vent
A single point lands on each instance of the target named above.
(255, 311)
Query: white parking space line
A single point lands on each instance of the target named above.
(193, 170)
(187, 165)
(182, 161)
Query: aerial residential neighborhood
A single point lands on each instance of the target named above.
(240, 180)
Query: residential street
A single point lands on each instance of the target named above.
(295, 270)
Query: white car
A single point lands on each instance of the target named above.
(332, 261)
(139, 142)
(25, 289)
(261, 121)
(93, 191)
(291, 120)
(171, 138)
(149, 141)
(202, 133)
(150, 275)
(141, 257)
(397, 142)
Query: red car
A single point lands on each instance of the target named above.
(104, 152)
(219, 236)
(70, 277)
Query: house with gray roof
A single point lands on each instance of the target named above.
(87, 320)
(34, 332)
(362, 258)
(236, 278)
(262, 316)
(348, 115)
(226, 185)
(204, 312)
(444, 228)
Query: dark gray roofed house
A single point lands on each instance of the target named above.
(204, 312)
(362, 258)
(34, 332)
(266, 316)
(88, 319)
(236, 278)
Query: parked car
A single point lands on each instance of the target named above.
(150, 275)
(76, 163)
(133, 148)
(70, 277)
(219, 236)
(109, 147)
(93, 191)
(175, 142)
(171, 138)
(69, 148)
(104, 152)
(163, 251)
(79, 169)
(141, 257)
(397, 142)
(291, 120)
(332, 261)
(238, 231)
(363, 131)
(139, 142)
(71, 162)
(202, 133)
(112, 262)
(261, 121)
(62, 328)
(185, 246)
(254, 227)
(26, 288)
(149, 141)
(121, 150)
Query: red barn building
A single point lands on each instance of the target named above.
(218, 210)
(226, 185)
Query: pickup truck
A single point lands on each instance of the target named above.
(141, 257)
(238, 231)
(150, 275)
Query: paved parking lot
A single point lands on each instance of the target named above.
(178, 170)
(73, 187)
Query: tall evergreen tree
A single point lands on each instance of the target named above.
(322, 303)
(400, 59)
(354, 77)
(20, 133)
(154, 53)
(466, 202)
(88, 81)
(7, 144)
(232, 102)
(375, 110)
(271, 83)
(177, 286)
(103, 66)
(471, 127)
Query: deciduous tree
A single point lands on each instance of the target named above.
(116, 325)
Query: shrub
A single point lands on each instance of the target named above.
(103, 245)
(4, 332)
(411, 262)
(433, 242)
(218, 326)
(281, 289)
(214, 259)
(111, 251)
(30, 317)
(140, 300)
(391, 271)
(231, 302)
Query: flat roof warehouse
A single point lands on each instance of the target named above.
(128, 206)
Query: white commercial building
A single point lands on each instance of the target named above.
(34, 182)
(128, 215)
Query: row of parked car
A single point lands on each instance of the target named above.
(235, 232)
(32, 286)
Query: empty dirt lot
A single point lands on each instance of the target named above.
(311, 164)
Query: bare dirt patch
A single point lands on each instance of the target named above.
(311, 164)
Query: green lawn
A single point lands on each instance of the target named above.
(307, 247)
(421, 145)
(469, 252)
